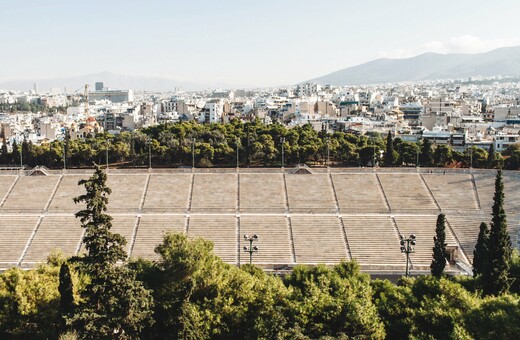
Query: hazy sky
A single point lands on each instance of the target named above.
(241, 43)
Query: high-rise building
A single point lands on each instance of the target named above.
(115, 96)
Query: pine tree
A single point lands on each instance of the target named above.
(426, 156)
(491, 156)
(66, 289)
(481, 252)
(389, 157)
(116, 304)
(439, 247)
(103, 247)
(495, 280)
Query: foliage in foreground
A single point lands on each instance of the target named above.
(197, 296)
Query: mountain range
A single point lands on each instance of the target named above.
(112, 80)
(503, 61)
(428, 66)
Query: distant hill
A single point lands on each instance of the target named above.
(112, 80)
(429, 66)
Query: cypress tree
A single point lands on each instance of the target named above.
(26, 152)
(439, 247)
(481, 252)
(15, 154)
(426, 155)
(4, 155)
(66, 289)
(495, 280)
(491, 156)
(389, 158)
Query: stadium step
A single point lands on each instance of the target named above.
(475, 191)
(9, 190)
(334, 193)
(190, 194)
(291, 240)
(145, 191)
(53, 193)
(131, 241)
(345, 236)
(33, 234)
(384, 194)
(429, 191)
(286, 195)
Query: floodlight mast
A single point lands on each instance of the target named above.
(407, 247)
(251, 249)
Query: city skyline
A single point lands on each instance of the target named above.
(239, 44)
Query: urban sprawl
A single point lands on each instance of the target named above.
(462, 114)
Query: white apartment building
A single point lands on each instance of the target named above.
(307, 89)
(212, 112)
(503, 140)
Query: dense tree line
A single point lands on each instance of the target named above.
(181, 144)
(190, 293)
(25, 107)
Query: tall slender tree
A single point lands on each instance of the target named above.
(116, 304)
(390, 154)
(4, 152)
(495, 280)
(15, 154)
(481, 252)
(491, 156)
(104, 248)
(27, 152)
(66, 289)
(426, 156)
(439, 247)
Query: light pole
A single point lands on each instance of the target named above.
(64, 156)
(373, 153)
(417, 157)
(193, 153)
(328, 151)
(238, 159)
(149, 142)
(21, 156)
(282, 141)
(471, 154)
(106, 156)
(65, 150)
(407, 247)
(252, 249)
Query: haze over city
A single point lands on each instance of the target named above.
(236, 43)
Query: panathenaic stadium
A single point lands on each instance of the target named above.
(302, 216)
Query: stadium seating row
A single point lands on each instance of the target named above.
(314, 218)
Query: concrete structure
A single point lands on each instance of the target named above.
(323, 217)
(115, 96)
